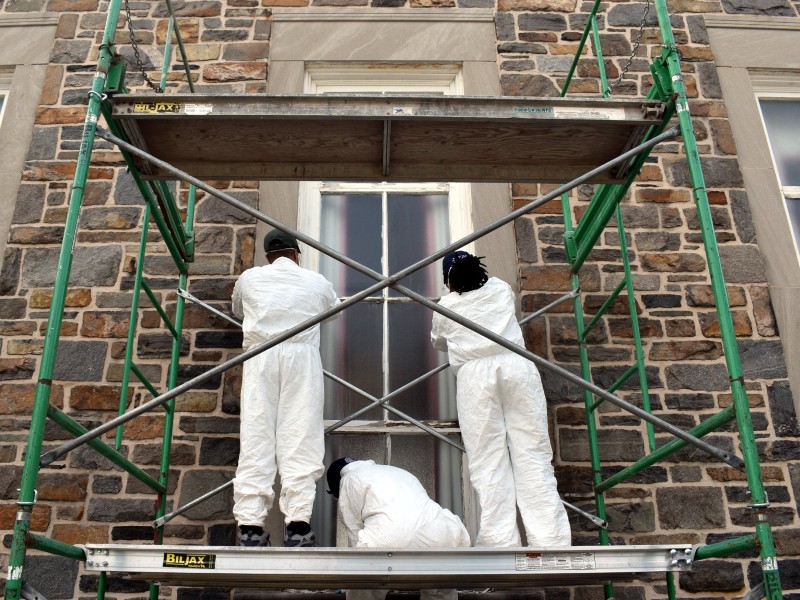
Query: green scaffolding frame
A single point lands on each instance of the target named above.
(177, 233)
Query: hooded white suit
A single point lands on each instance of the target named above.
(282, 391)
(387, 507)
(503, 417)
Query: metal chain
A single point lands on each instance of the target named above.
(637, 42)
(156, 88)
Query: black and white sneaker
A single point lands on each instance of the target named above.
(253, 537)
(296, 540)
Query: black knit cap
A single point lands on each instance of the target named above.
(334, 475)
(279, 240)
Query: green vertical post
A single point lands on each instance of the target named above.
(670, 58)
(30, 472)
(169, 418)
(591, 424)
(637, 335)
(132, 323)
(598, 52)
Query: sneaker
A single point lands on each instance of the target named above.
(295, 540)
(254, 539)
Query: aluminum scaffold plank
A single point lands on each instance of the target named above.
(324, 568)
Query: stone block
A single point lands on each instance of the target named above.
(631, 518)
(109, 218)
(150, 454)
(692, 402)
(521, 48)
(673, 262)
(159, 345)
(52, 576)
(16, 368)
(605, 376)
(12, 308)
(775, 8)
(703, 378)
(214, 240)
(703, 295)
(630, 15)
(689, 350)
(35, 235)
(115, 510)
(719, 217)
(213, 210)
(86, 458)
(70, 52)
(188, 8)
(782, 411)
(105, 324)
(197, 483)
(219, 451)
(718, 172)
(658, 241)
(225, 72)
(218, 339)
(106, 484)
(92, 266)
(615, 444)
(743, 264)
(690, 507)
(662, 300)
(762, 311)
(504, 26)
(762, 359)
(209, 425)
(80, 360)
(742, 217)
(96, 397)
(713, 576)
(518, 84)
(709, 324)
(114, 584)
(246, 51)
(65, 487)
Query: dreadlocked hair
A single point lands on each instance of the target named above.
(467, 273)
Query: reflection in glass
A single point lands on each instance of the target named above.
(782, 121)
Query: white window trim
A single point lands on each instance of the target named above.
(327, 78)
(771, 86)
(6, 75)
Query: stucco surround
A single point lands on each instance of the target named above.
(757, 54)
(465, 37)
(25, 43)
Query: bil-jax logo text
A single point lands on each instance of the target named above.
(189, 561)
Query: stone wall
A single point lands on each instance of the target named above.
(686, 499)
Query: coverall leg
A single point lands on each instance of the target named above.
(525, 411)
(300, 445)
(255, 474)
(483, 430)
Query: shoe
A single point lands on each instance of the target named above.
(253, 539)
(295, 540)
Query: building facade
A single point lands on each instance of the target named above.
(742, 71)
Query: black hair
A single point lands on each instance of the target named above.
(467, 273)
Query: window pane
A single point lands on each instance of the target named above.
(418, 226)
(782, 119)
(411, 355)
(351, 225)
(351, 349)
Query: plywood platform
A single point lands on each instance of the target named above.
(326, 568)
(384, 138)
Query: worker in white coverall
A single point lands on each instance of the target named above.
(282, 394)
(387, 507)
(501, 410)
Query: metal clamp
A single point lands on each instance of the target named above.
(26, 508)
(101, 97)
(683, 557)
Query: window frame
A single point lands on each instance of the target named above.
(766, 92)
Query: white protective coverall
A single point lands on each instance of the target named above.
(387, 507)
(282, 391)
(503, 417)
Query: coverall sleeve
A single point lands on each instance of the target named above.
(437, 335)
(351, 502)
(236, 300)
(332, 300)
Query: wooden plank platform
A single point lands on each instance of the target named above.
(326, 568)
(383, 138)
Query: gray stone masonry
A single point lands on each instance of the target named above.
(690, 497)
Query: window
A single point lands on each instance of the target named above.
(781, 117)
(383, 342)
(3, 94)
